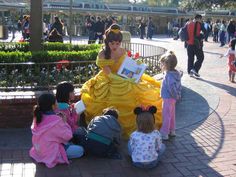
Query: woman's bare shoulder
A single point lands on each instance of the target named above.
(122, 51)
(101, 54)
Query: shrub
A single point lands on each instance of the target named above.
(47, 56)
(53, 46)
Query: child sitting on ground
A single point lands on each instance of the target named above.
(65, 95)
(145, 145)
(51, 135)
(231, 53)
(170, 93)
(102, 137)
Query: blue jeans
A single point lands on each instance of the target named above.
(222, 38)
(73, 151)
(151, 164)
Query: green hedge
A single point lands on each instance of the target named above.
(47, 56)
(24, 47)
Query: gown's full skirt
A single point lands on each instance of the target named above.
(101, 92)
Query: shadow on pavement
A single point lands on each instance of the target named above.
(191, 109)
(228, 89)
(213, 53)
(200, 138)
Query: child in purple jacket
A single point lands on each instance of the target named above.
(170, 93)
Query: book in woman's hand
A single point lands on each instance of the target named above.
(130, 69)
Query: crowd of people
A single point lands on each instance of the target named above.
(115, 107)
(52, 32)
(221, 30)
(197, 32)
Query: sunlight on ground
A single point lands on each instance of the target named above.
(17, 169)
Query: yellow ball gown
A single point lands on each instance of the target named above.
(101, 92)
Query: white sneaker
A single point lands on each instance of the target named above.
(172, 133)
(195, 73)
(165, 137)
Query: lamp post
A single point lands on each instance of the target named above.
(36, 32)
(70, 21)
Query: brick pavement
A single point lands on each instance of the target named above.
(205, 147)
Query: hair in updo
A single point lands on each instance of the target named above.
(169, 59)
(113, 33)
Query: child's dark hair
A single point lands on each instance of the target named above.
(111, 111)
(45, 104)
(113, 33)
(63, 91)
(232, 43)
(145, 119)
(170, 60)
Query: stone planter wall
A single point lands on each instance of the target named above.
(16, 113)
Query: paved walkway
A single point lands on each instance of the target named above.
(206, 124)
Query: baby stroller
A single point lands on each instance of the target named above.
(175, 33)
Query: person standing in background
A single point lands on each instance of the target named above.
(99, 30)
(150, 28)
(141, 27)
(222, 33)
(196, 32)
(231, 29)
(58, 25)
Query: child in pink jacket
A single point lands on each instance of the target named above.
(51, 135)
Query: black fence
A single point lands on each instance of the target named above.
(45, 76)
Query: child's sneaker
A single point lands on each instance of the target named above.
(172, 133)
(165, 137)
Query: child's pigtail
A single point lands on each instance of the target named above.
(37, 114)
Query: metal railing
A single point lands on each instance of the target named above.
(45, 76)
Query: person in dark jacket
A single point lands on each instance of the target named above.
(55, 36)
(99, 30)
(141, 27)
(102, 137)
(90, 25)
(150, 28)
(231, 29)
(58, 25)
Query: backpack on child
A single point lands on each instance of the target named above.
(183, 33)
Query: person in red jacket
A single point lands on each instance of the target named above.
(195, 45)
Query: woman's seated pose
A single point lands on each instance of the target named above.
(108, 89)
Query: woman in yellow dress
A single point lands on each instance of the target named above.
(108, 89)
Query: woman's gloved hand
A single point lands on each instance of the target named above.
(132, 80)
(114, 76)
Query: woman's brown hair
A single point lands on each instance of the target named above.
(111, 34)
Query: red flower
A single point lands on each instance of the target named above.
(62, 64)
(22, 40)
(129, 53)
(136, 55)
